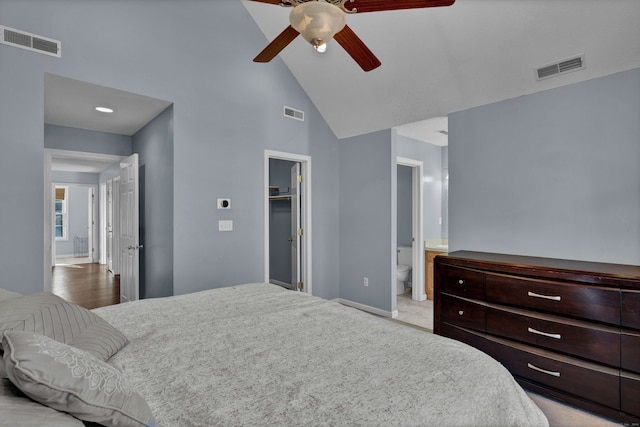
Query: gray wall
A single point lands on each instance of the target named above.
(154, 144)
(404, 196)
(553, 174)
(431, 157)
(368, 219)
(65, 138)
(227, 111)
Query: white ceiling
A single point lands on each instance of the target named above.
(71, 103)
(434, 62)
(440, 60)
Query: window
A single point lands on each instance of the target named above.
(61, 215)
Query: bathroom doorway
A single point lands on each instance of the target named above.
(411, 306)
(288, 220)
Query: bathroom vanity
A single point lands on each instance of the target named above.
(429, 256)
(567, 329)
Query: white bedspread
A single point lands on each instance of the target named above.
(257, 355)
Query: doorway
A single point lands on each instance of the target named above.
(410, 233)
(71, 163)
(287, 220)
(74, 223)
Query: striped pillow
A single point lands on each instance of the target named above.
(47, 314)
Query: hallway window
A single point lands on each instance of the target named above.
(61, 218)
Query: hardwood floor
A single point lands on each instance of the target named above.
(87, 285)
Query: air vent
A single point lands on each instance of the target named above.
(293, 113)
(561, 67)
(28, 41)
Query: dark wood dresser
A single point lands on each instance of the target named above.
(567, 329)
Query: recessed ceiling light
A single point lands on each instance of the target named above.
(104, 109)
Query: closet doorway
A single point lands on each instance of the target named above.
(288, 220)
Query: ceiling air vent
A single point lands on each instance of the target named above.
(293, 113)
(561, 67)
(28, 41)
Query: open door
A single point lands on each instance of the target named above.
(129, 230)
(296, 229)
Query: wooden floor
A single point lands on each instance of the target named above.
(87, 285)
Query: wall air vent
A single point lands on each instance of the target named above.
(293, 113)
(28, 41)
(561, 67)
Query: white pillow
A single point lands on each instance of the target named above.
(72, 380)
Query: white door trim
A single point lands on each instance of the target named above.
(417, 230)
(305, 163)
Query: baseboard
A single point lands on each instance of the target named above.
(368, 308)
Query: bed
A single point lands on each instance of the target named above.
(257, 354)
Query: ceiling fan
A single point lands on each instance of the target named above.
(320, 20)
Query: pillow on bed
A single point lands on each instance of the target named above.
(6, 294)
(72, 380)
(16, 409)
(50, 315)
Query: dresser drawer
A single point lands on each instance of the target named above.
(462, 312)
(581, 339)
(631, 309)
(586, 302)
(461, 281)
(630, 393)
(586, 380)
(630, 351)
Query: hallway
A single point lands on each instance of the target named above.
(87, 285)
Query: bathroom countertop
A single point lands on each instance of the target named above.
(437, 248)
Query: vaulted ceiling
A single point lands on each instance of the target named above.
(440, 60)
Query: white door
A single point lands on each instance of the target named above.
(109, 225)
(115, 226)
(296, 230)
(129, 230)
(91, 232)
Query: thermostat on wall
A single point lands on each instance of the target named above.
(224, 203)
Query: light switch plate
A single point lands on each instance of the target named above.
(225, 225)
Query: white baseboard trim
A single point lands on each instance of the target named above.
(72, 255)
(368, 308)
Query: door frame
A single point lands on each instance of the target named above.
(418, 292)
(49, 235)
(305, 206)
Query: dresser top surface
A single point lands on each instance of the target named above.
(545, 266)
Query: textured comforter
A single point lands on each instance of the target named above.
(256, 355)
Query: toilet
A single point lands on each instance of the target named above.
(405, 255)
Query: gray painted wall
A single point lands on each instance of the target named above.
(368, 219)
(431, 157)
(227, 111)
(154, 144)
(553, 174)
(404, 196)
(65, 138)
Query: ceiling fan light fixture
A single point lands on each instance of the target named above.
(317, 22)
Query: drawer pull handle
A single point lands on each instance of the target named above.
(545, 334)
(544, 371)
(553, 298)
(461, 282)
(461, 312)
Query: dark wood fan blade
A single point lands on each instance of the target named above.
(276, 46)
(268, 1)
(357, 49)
(361, 6)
